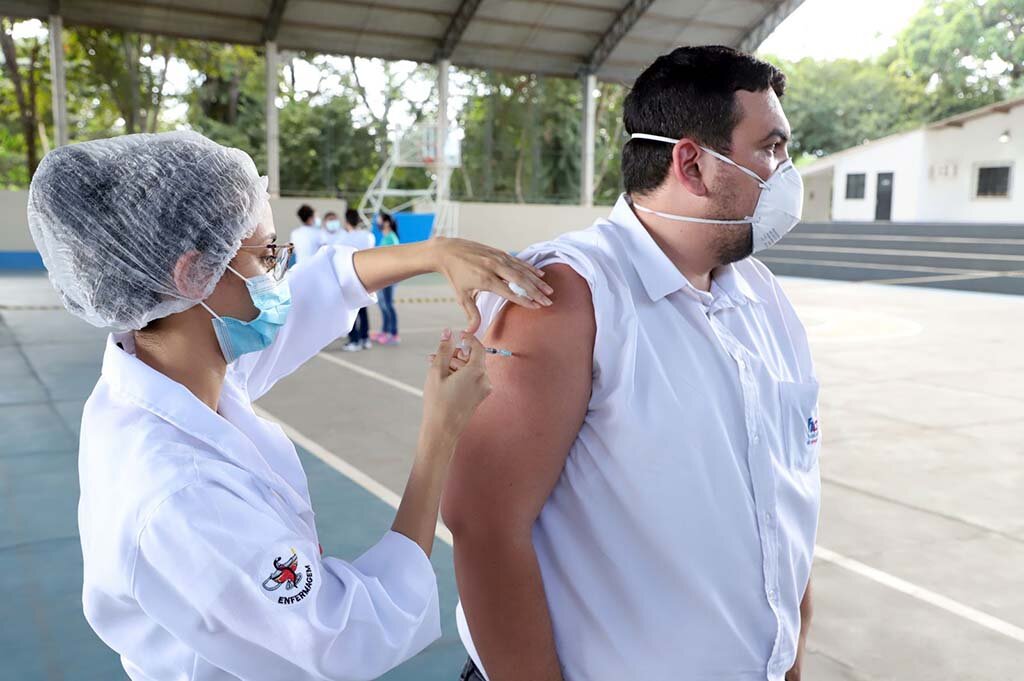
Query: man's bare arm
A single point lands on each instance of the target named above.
(806, 609)
(506, 464)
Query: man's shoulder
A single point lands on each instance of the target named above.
(591, 252)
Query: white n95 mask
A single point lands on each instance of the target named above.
(778, 209)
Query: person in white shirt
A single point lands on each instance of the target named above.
(308, 237)
(201, 554)
(360, 239)
(638, 497)
(333, 234)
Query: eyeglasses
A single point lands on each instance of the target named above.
(277, 259)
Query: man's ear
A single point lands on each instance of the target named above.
(685, 169)
(186, 277)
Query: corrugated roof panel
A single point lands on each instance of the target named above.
(197, 23)
(370, 20)
(569, 18)
(527, 37)
(662, 9)
(741, 13)
(513, 61)
(383, 44)
(542, 36)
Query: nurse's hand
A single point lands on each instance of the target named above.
(472, 267)
(449, 400)
(450, 397)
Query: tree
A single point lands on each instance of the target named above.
(225, 95)
(957, 55)
(26, 63)
(834, 105)
(126, 70)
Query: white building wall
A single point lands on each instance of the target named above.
(901, 155)
(935, 172)
(511, 226)
(954, 157)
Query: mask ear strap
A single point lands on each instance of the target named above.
(683, 218)
(208, 309)
(748, 171)
(653, 138)
(721, 157)
(235, 272)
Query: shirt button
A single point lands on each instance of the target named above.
(772, 595)
(768, 516)
(757, 438)
(742, 364)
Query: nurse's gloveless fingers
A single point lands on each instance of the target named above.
(476, 352)
(456, 364)
(443, 357)
(525, 284)
(468, 302)
(533, 274)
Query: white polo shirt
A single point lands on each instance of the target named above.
(677, 542)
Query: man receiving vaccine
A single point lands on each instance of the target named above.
(638, 498)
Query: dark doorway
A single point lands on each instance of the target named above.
(883, 197)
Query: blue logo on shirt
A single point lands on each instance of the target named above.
(812, 430)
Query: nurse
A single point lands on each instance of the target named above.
(201, 554)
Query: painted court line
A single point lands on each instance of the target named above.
(369, 373)
(938, 600)
(820, 552)
(839, 236)
(348, 470)
(901, 252)
(941, 277)
(852, 264)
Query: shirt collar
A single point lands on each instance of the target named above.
(148, 389)
(660, 276)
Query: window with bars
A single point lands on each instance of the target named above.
(993, 181)
(855, 185)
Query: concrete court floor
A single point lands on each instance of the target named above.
(49, 362)
(920, 564)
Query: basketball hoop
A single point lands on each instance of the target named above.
(417, 147)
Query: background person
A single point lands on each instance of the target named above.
(389, 330)
(359, 239)
(308, 236)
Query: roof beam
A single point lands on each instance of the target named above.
(756, 35)
(273, 22)
(456, 27)
(623, 23)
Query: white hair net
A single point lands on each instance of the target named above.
(111, 218)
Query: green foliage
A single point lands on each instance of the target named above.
(957, 55)
(834, 105)
(522, 133)
(523, 136)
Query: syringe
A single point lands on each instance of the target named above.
(490, 351)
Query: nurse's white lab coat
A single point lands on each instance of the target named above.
(201, 553)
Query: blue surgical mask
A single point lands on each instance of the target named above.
(273, 299)
(332, 225)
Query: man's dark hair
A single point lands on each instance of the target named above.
(305, 213)
(689, 92)
(352, 217)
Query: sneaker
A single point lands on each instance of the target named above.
(367, 344)
(377, 336)
(352, 347)
(395, 340)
